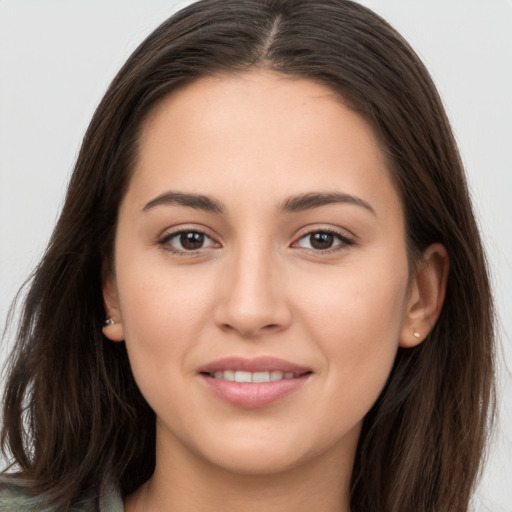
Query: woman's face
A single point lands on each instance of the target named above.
(261, 239)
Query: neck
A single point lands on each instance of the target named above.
(185, 483)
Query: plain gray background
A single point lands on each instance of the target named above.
(58, 56)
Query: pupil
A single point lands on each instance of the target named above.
(322, 240)
(192, 240)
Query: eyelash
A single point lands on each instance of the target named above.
(164, 242)
(344, 240)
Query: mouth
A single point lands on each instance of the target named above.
(253, 383)
(254, 377)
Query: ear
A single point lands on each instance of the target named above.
(427, 291)
(113, 328)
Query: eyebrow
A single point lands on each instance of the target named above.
(316, 200)
(197, 201)
(293, 204)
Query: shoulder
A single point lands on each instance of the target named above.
(14, 497)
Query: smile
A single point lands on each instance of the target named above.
(253, 383)
(254, 377)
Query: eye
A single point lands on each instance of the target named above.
(323, 240)
(187, 241)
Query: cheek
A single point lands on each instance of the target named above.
(162, 313)
(356, 319)
(358, 304)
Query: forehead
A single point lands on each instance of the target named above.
(262, 132)
(261, 107)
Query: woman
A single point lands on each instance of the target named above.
(269, 218)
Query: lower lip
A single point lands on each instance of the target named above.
(253, 395)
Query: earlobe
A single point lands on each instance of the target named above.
(113, 326)
(426, 297)
(113, 330)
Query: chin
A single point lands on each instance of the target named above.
(256, 461)
(276, 452)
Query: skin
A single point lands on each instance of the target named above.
(259, 287)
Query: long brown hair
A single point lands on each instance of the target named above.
(73, 415)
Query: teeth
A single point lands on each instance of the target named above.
(228, 375)
(243, 376)
(258, 377)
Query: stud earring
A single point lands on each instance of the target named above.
(113, 330)
(416, 334)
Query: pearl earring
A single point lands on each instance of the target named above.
(108, 322)
(416, 334)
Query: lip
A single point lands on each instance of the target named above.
(253, 395)
(258, 364)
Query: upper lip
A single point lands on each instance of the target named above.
(258, 364)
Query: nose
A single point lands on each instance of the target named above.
(253, 296)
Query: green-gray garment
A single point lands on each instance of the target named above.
(14, 499)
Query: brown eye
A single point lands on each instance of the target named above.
(187, 241)
(192, 240)
(321, 240)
